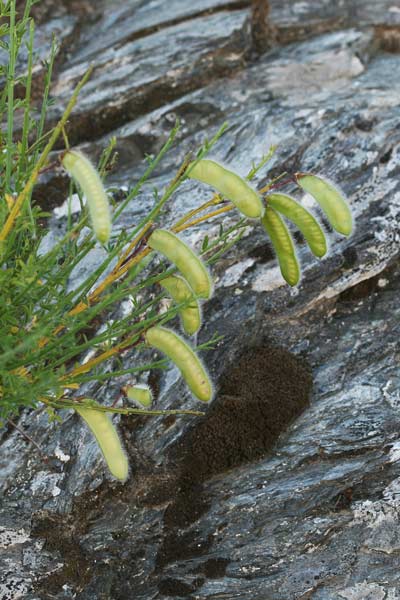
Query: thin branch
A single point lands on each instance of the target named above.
(42, 160)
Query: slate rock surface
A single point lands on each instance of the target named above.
(310, 507)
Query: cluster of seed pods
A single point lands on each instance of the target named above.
(249, 202)
(193, 281)
(192, 284)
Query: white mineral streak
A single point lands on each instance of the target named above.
(60, 455)
(9, 537)
(382, 519)
(268, 279)
(45, 484)
(73, 205)
(394, 454)
(364, 591)
(13, 588)
(233, 274)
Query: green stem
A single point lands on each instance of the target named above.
(264, 159)
(148, 172)
(46, 92)
(120, 411)
(26, 124)
(43, 158)
(160, 364)
(27, 109)
(10, 101)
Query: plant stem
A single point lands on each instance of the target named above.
(148, 171)
(216, 199)
(272, 185)
(45, 458)
(35, 173)
(210, 215)
(266, 158)
(121, 411)
(47, 88)
(133, 243)
(10, 100)
(27, 108)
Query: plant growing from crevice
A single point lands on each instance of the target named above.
(54, 336)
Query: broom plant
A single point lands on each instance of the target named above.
(55, 336)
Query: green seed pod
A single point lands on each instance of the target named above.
(187, 262)
(283, 244)
(230, 185)
(180, 292)
(303, 219)
(108, 440)
(189, 364)
(84, 173)
(330, 199)
(141, 395)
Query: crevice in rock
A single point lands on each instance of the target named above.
(213, 568)
(387, 38)
(370, 285)
(223, 62)
(259, 397)
(369, 488)
(296, 33)
(44, 13)
(263, 254)
(263, 33)
(45, 10)
(178, 589)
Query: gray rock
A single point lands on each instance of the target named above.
(315, 514)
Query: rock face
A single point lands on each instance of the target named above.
(309, 508)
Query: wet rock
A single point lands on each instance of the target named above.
(314, 512)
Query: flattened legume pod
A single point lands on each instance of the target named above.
(303, 219)
(84, 173)
(283, 245)
(230, 185)
(183, 356)
(180, 292)
(330, 200)
(108, 440)
(141, 395)
(187, 262)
